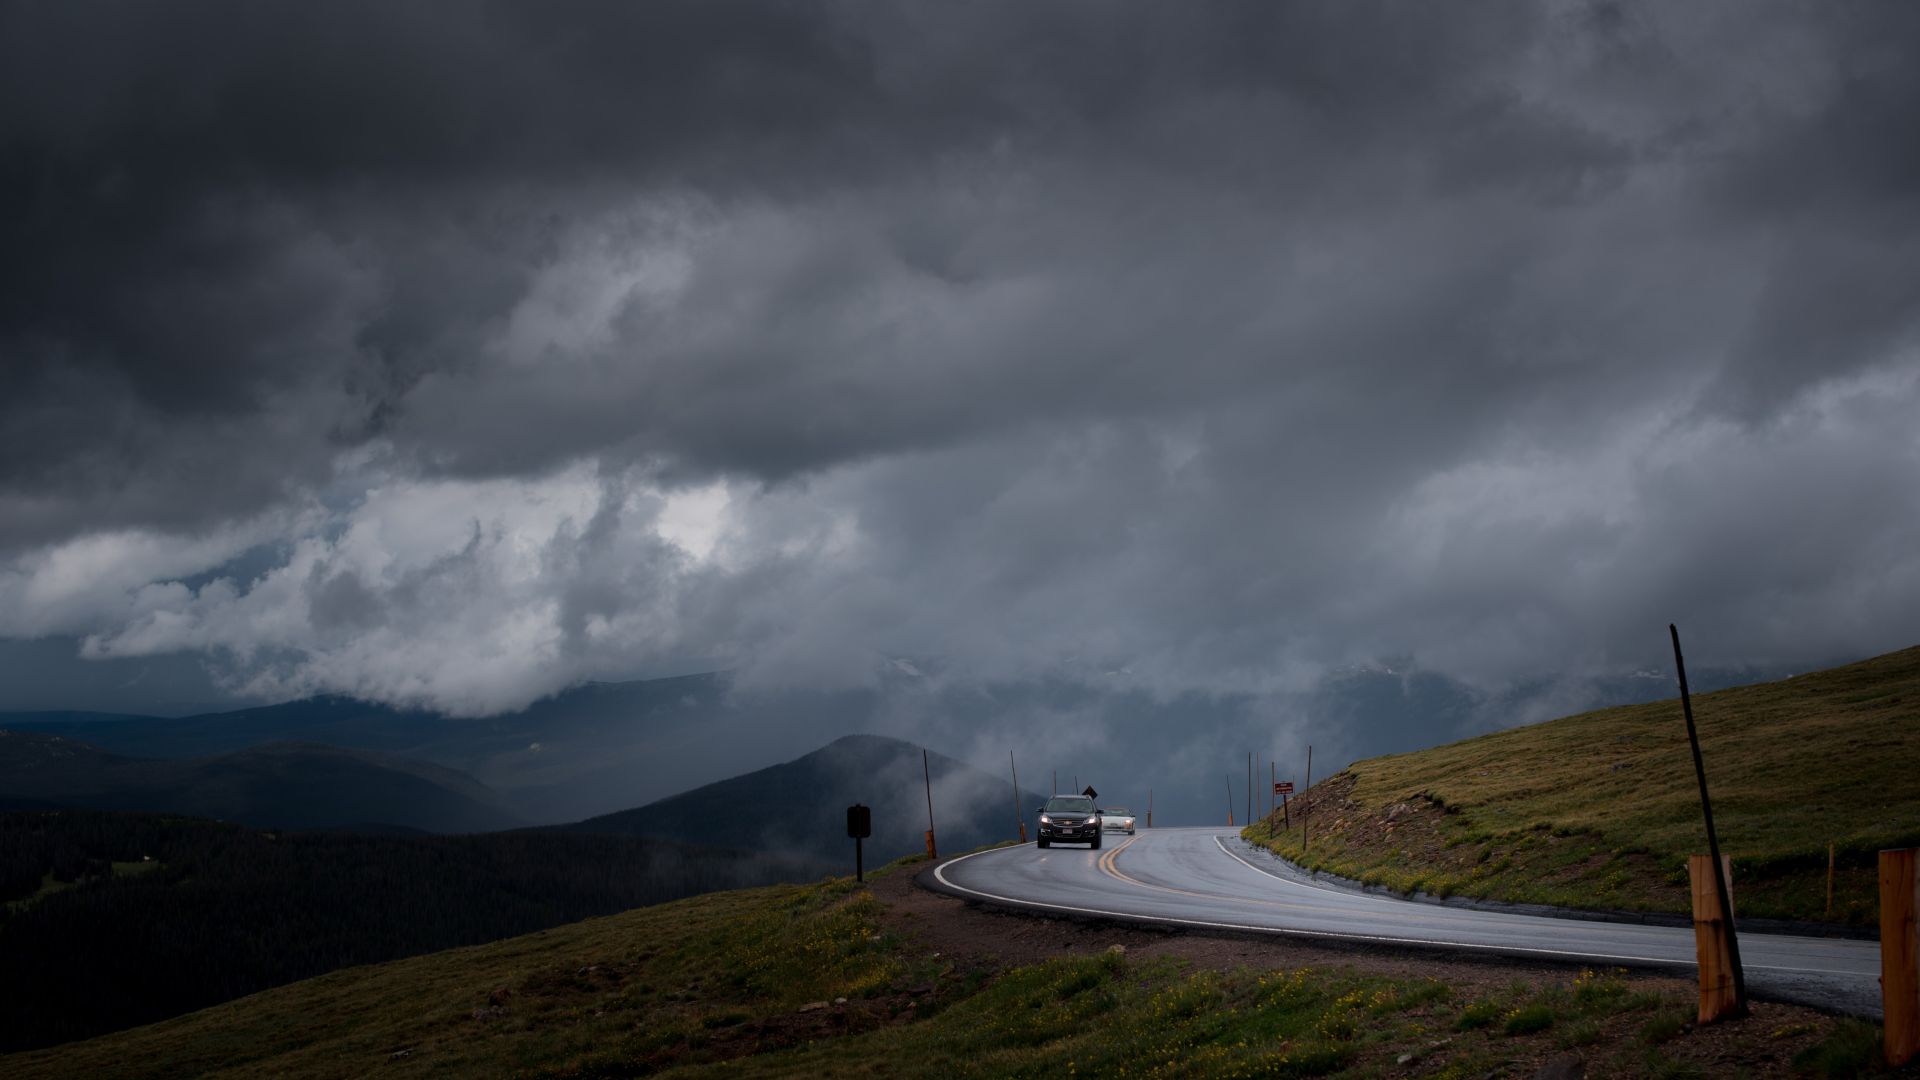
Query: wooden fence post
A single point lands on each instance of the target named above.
(1899, 956)
(1719, 998)
(1829, 880)
(926, 773)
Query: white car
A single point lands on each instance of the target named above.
(1116, 819)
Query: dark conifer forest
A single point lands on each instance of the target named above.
(112, 920)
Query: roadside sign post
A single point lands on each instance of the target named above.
(859, 826)
(1283, 788)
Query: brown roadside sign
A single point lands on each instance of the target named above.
(1284, 787)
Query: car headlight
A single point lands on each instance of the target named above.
(1045, 820)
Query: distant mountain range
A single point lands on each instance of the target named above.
(602, 748)
(799, 807)
(591, 750)
(279, 785)
(795, 808)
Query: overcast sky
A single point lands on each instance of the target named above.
(449, 355)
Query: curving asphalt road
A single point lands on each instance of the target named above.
(1207, 878)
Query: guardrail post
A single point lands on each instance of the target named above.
(1712, 929)
(1899, 956)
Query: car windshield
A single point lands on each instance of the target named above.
(1070, 804)
(1117, 811)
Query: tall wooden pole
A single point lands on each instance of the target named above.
(1019, 815)
(926, 774)
(1229, 800)
(1249, 787)
(1149, 808)
(1273, 781)
(1739, 1007)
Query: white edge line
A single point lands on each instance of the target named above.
(1518, 914)
(940, 872)
(1314, 885)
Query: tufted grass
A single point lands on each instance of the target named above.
(1600, 810)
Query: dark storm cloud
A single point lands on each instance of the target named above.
(1212, 345)
(220, 211)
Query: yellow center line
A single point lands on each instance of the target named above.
(1106, 861)
(1109, 864)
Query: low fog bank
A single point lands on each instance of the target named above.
(1136, 750)
(608, 747)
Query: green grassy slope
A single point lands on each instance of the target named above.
(808, 981)
(1599, 810)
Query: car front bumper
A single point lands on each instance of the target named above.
(1072, 834)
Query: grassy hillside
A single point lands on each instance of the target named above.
(110, 920)
(813, 981)
(1599, 810)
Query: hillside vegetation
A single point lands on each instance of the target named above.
(1600, 810)
(109, 920)
(819, 980)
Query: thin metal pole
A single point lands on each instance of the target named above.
(1019, 817)
(926, 773)
(1713, 839)
(1306, 804)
